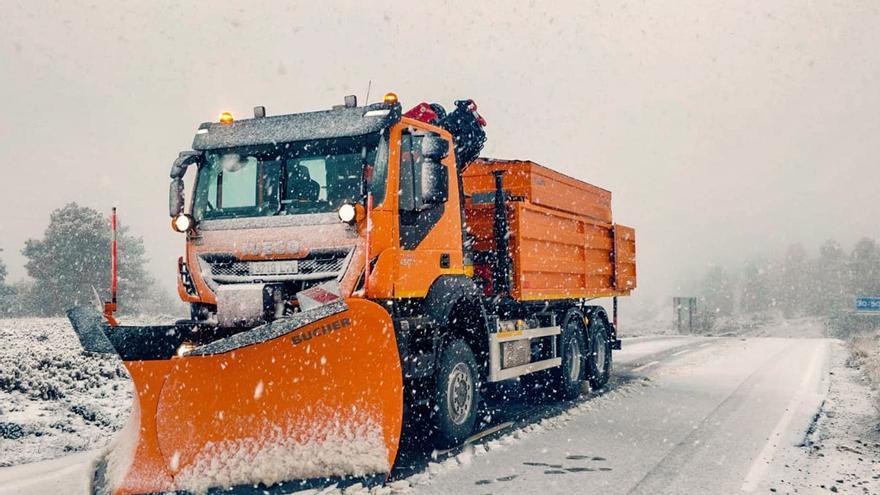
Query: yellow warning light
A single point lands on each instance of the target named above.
(390, 99)
(226, 118)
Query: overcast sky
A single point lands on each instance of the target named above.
(723, 129)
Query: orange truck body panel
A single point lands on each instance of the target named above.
(417, 269)
(562, 240)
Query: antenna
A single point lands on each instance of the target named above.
(367, 98)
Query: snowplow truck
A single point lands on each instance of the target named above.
(341, 267)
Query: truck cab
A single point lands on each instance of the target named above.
(285, 203)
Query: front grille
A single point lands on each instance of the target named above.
(314, 267)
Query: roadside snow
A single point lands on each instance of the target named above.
(69, 475)
(54, 398)
(841, 452)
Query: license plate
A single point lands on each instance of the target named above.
(275, 268)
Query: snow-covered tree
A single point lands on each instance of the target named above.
(758, 287)
(864, 269)
(74, 255)
(832, 276)
(716, 296)
(794, 281)
(6, 293)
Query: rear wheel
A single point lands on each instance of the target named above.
(563, 382)
(567, 379)
(599, 361)
(456, 394)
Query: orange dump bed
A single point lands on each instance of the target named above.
(563, 243)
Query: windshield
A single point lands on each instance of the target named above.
(287, 178)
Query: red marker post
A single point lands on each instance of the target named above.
(110, 307)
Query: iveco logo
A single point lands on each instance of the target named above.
(268, 248)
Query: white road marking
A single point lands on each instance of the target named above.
(681, 352)
(640, 368)
(705, 345)
(759, 467)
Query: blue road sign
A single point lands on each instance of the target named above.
(868, 304)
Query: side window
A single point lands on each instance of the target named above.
(410, 170)
(415, 222)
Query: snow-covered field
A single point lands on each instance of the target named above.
(55, 399)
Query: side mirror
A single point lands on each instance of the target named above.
(184, 160)
(175, 197)
(434, 187)
(434, 147)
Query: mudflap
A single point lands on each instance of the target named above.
(314, 397)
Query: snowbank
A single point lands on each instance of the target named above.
(54, 398)
(865, 355)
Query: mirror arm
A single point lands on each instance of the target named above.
(183, 161)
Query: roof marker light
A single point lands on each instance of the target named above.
(390, 99)
(226, 118)
(377, 113)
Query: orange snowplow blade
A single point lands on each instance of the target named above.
(276, 403)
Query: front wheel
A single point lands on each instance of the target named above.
(456, 394)
(599, 361)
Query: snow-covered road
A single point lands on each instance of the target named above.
(714, 416)
(683, 415)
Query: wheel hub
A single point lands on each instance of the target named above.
(459, 393)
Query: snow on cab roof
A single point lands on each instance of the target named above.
(338, 122)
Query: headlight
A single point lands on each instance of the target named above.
(185, 348)
(347, 213)
(181, 223)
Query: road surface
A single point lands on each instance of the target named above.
(698, 415)
(682, 415)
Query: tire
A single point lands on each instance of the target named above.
(568, 378)
(456, 394)
(563, 382)
(599, 357)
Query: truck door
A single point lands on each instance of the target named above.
(429, 235)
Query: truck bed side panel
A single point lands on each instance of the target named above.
(561, 256)
(556, 254)
(539, 185)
